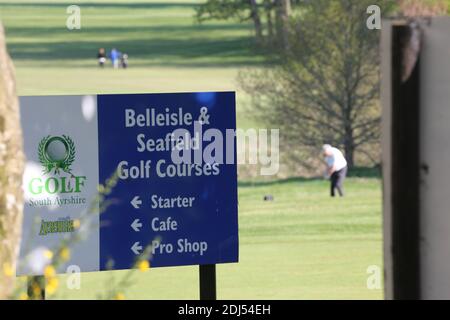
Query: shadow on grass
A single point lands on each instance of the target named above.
(355, 172)
(149, 49)
(157, 45)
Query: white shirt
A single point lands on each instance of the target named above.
(337, 159)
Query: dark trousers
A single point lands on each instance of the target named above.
(337, 181)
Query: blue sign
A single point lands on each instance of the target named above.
(186, 212)
(171, 160)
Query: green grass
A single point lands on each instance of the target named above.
(169, 51)
(303, 245)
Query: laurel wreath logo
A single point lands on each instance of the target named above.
(50, 163)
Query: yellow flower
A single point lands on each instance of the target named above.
(8, 270)
(119, 296)
(23, 296)
(143, 265)
(65, 254)
(48, 254)
(52, 285)
(76, 223)
(49, 271)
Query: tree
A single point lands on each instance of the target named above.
(243, 10)
(11, 169)
(252, 10)
(283, 11)
(254, 14)
(325, 89)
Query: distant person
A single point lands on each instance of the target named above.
(336, 168)
(101, 56)
(124, 60)
(114, 56)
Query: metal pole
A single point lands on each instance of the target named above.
(36, 287)
(207, 275)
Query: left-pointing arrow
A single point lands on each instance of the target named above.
(136, 225)
(136, 202)
(136, 248)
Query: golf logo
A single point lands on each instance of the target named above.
(56, 153)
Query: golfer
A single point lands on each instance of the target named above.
(336, 168)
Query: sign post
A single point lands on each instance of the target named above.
(36, 283)
(207, 275)
(167, 171)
